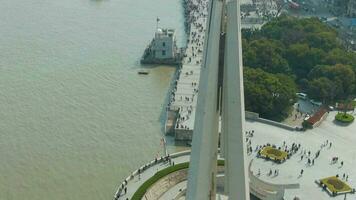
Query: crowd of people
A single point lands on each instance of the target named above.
(305, 154)
(195, 15)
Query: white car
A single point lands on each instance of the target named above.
(301, 95)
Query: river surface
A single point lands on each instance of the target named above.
(75, 117)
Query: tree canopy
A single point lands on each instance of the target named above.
(271, 95)
(307, 51)
(339, 82)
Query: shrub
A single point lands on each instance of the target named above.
(344, 118)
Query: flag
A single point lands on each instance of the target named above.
(157, 19)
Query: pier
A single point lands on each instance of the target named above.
(183, 98)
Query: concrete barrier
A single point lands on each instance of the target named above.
(251, 115)
(278, 124)
(255, 117)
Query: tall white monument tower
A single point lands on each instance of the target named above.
(220, 94)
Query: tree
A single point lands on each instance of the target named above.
(308, 52)
(324, 40)
(267, 55)
(340, 56)
(341, 78)
(321, 89)
(270, 95)
(302, 58)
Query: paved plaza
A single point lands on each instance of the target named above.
(342, 138)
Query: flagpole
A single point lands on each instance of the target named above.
(157, 20)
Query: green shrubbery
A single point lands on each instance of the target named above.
(143, 188)
(344, 118)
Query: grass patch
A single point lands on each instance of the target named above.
(335, 185)
(273, 154)
(344, 118)
(160, 174)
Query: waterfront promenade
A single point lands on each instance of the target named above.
(183, 98)
(136, 179)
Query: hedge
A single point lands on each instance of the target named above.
(138, 195)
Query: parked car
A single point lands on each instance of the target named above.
(302, 95)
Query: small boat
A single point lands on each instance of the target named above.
(143, 72)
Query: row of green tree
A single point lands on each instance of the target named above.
(307, 52)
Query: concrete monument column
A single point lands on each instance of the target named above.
(203, 162)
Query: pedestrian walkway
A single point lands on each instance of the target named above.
(135, 180)
(184, 95)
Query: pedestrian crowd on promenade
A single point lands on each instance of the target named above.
(124, 185)
(195, 15)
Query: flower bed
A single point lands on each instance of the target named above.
(335, 186)
(274, 154)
